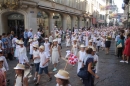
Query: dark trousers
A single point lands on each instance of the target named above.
(25, 42)
(120, 51)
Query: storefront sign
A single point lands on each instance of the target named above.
(55, 17)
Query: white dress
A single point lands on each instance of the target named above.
(86, 41)
(22, 56)
(55, 54)
(75, 49)
(68, 42)
(81, 57)
(16, 51)
(19, 81)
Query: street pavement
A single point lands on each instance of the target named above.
(110, 71)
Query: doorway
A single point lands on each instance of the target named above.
(16, 23)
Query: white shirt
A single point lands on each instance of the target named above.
(14, 42)
(59, 40)
(36, 54)
(43, 57)
(46, 45)
(98, 43)
(5, 64)
(30, 34)
(31, 48)
(39, 34)
(50, 39)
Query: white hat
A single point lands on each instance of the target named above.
(62, 74)
(20, 66)
(55, 40)
(46, 38)
(1, 59)
(41, 47)
(82, 45)
(35, 45)
(0, 50)
(30, 40)
(21, 42)
(90, 41)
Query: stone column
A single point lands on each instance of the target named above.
(72, 22)
(32, 16)
(51, 22)
(64, 22)
(80, 22)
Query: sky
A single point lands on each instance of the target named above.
(119, 5)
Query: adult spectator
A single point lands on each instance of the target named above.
(25, 37)
(88, 63)
(5, 44)
(30, 34)
(120, 49)
(126, 52)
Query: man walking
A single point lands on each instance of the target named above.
(25, 37)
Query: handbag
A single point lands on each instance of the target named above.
(119, 45)
(83, 73)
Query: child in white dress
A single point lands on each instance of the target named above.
(81, 56)
(68, 41)
(47, 46)
(75, 47)
(16, 49)
(55, 53)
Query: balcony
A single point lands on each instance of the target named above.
(123, 6)
(126, 1)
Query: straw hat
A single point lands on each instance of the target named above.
(21, 42)
(62, 74)
(94, 49)
(30, 40)
(1, 59)
(82, 45)
(55, 40)
(20, 66)
(41, 47)
(35, 45)
(17, 41)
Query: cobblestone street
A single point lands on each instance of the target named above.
(110, 70)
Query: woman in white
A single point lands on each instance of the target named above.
(68, 41)
(22, 56)
(50, 39)
(113, 35)
(81, 56)
(75, 47)
(16, 49)
(36, 59)
(47, 47)
(86, 41)
(55, 53)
